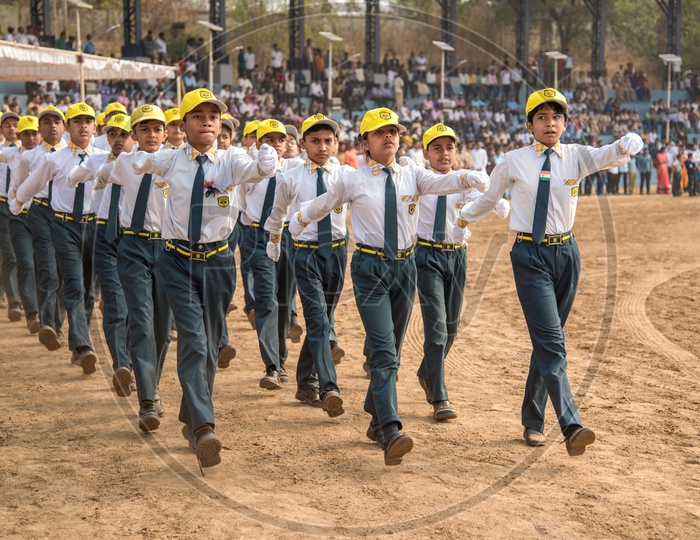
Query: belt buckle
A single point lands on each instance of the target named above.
(401, 255)
(519, 238)
(555, 240)
(198, 256)
(64, 217)
(448, 247)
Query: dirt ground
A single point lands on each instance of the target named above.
(73, 463)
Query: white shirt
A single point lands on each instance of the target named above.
(276, 58)
(520, 172)
(363, 190)
(223, 171)
(297, 186)
(253, 195)
(8, 155)
(29, 160)
(427, 205)
(56, 167)
(102, 143)
(479, 159)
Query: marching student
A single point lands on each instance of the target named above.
(73, 228)
(8, 127)
(543, 179)
(141, 213)
(111, 109)
(320, 258)
(20, 235)
(382, 201)
(175, 137)
(197, 263)
(441, 263)
(273, 283)
(107, 239)
(52, 312)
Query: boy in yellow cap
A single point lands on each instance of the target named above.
(273, 283)
(72, 229)
(383, 197)
(111, 109)
(8, 128)
(441, 263)
(20, 235)
(52, 312)
(544, 180)
(197, 262)
(319, 261)
(175, 132)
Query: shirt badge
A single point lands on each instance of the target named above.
(571, 182)
(574, 191)
(411, 208)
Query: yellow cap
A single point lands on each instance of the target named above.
(147, 112)
(270, 126)
(120, 121)
(171, 115)
(543, 96)
(80, 109)
(197, 97)
(115, 106)
(100, 121)
(28, 123)
(377, 118)
(318, 120)
(250, 127)
(437, 131)
(229, 121)
(8, 114)
(50, 109)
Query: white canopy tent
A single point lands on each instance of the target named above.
(29, 63)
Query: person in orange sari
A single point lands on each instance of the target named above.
(663, 186)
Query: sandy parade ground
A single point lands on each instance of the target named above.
(73, 463)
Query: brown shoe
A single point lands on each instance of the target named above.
(188, 434)
(337, 353)
(49, 338)
(295, 331)
(226, 354)
(208, 448)
(375, 433)
(14, 314)
(534, 438)
(271, 381)
(395, 450)
(426, 388)
(33, 324)
(87, 360)
(309, 396)
(443, 410)
(159, 404)
(365, 366)
(333, 403)
(576, 442)
(121, 380)
(231, 307)
(251, 318)
(148, 417)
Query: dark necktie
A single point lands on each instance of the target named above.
(112, 227)
(391, 234)
(8, 177)
(267, 203)
(79, 196)
(195, 227)
(325, 238)
(539, 222)
(440, 218)
(139, 215)
(51, 181)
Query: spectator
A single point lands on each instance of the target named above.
(88, 47)
(161, 49)
(249, 62)
(10, 34)
(21, 37)
(276, 58)
(479, 157)
(60, 42)
(149, 46)
(70, 44)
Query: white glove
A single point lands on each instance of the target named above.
(296, 227)
(14, 207)
(461, 234)
(273, 250)
(405, 161)
(478, 180)
(138, 162)
(502, 208)
(631, 144)
(267, 161)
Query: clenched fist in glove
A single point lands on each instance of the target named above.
(296, 227)
(273, 250)
(478, 180)
(631, 144)
(406, 161)
(267, 161)
(461, 234)
(502, 208)
(14, 207)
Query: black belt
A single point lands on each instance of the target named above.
(149, 235)
(442, 246)
(210, 250)
(304, 245)
(401, 255)
(549, 239)
(86, 218)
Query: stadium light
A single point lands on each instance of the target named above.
(212, 28)
(444, 47)
(556, 56)
(331, 37)
(669, 60)
(79, 4)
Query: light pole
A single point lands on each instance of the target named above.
(212, 28)
(669, 60)
(444, 47)
(79, 4)
(331, 37)
(556, 56)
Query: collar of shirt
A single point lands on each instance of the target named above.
(77, 151)
(111, 158)
(171, 146)
(540, 148)
(313, 167)
(192, 152)
(376, 168)
(58, 146)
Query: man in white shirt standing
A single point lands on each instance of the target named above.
(479, 157)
